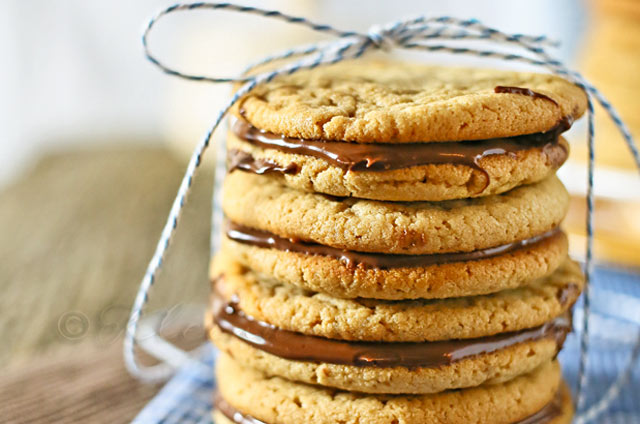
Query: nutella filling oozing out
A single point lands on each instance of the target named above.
(524, 92)
(376, 157)
(301, 347)
(237, 159)
(549, 412)
(246, 235)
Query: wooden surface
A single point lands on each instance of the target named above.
(77, 233)
(79, 384)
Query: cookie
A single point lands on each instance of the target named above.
(417, 228)
(414, 172)
(279, 401)
(394, 102)
(333, 275)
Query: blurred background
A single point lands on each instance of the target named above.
(94, 141)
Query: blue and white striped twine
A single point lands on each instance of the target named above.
(437, 34)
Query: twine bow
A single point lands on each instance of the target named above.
(438, 34)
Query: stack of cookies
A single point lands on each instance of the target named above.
(392, 251)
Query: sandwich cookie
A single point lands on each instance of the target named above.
(361, 248)
(377, 346)
(399, 172)
(349, 274)
(401, 132)
(415, 228)
(247, 396)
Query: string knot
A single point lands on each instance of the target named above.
(383, 37)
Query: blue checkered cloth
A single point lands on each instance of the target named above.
(615, 324)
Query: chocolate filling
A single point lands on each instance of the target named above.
(550, 411)
(246, 235)
(237, 159)
(524, 92)
(384, 157)
(301, 347)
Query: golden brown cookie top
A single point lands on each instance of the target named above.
(398, 102)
